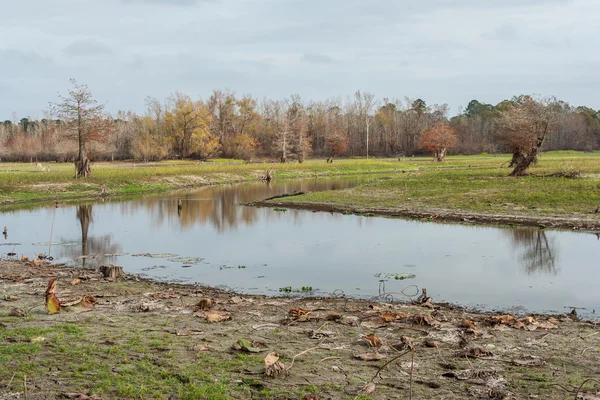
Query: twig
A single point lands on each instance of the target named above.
(108, 318)
(330, 358)
(412, 365)
(388, 363)
(583, 383)
(11, 379)
(586, 349)
(304, 352)
(25, 386)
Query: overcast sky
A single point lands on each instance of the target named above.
(443, 51)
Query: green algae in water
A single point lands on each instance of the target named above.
(398, 277)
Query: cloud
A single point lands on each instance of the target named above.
(503, 32)
(87, 47)
(318, 58)
(169, 2)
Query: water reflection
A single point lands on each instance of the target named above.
(458, 263)
(93, 250)
(538, 253)
(219, 206)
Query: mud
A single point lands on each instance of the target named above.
(329, 348)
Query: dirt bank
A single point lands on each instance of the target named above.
(143, 339)
(579, 222)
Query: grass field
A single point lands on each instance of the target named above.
(22, 182)
(477, 184)
(469, 183)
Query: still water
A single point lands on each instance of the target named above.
(214, 240)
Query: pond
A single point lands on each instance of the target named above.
(214, 240)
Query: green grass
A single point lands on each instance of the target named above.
(467, 183)
(476, 184)
(22, 182)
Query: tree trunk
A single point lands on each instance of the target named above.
(82, 165)
(82, 168)
(523, 165)
(517, 157)
(440, 156)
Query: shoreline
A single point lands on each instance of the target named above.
(573, 223)
(143, 338)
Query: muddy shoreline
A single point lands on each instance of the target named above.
(573, 222)
(147, 339)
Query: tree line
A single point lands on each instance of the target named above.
(240, 126)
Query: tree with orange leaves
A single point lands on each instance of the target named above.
(336, 142)
(438, 140)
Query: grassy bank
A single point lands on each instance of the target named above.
(149, 340)
(565, 185)
(21, 183)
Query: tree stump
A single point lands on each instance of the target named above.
(111, 271)
(82, 168)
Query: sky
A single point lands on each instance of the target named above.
(443, 51)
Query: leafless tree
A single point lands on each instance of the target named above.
(84, 120)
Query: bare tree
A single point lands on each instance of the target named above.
(364, 104)
(84, 120)
(523, 127)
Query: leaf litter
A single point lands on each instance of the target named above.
(428, 337)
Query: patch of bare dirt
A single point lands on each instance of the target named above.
(339, 348)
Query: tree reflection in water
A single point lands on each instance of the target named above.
(90, 246)
(219, 206)
(538, 253)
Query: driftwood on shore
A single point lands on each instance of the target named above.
(280, 196)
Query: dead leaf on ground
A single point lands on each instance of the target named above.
(500, 320)
(474, 352)
(394, 316)
(406, 343)
(373, 340)
(320, 334)
(205, 304)
(76, 281)
(431, 343)
(84, 301)
(217, 316)
(367, 389)
(370, 356)
(424, 319)
(273, 367)
(52, 303)
(249, 346)
(297, 312)
(334, 316)
(200, 347)
(188, 332)
(469, 327)
(17, 312)
(39, 339)
(9, 297)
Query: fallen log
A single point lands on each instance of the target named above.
(280, 196)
